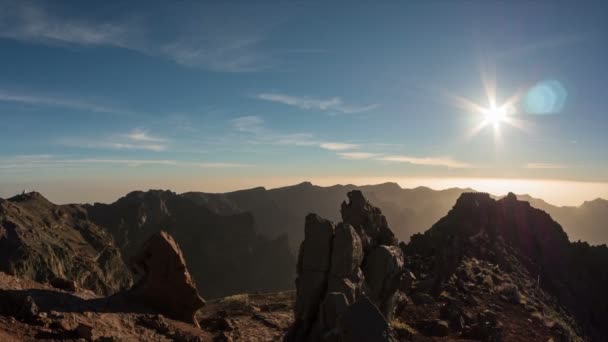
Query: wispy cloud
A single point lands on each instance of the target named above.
(38, 100)
(52, 161)
(198, 41)
(331, 105)
(545, 166)
(358, 155)
(134, 140)
(139, 135)
(258, 133)
(336, 146)
(427, 161)
(250, 124)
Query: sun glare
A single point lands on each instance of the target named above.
(494, 116)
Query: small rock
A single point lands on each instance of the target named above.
(28, 310)
(84, 331)
(63, 284)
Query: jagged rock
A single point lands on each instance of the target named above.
(383, 269)
(363, 322)
(367, 220)
(314, 262)
(316, 247)
(166, 283)
(359, 258)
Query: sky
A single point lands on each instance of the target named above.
(101, 98)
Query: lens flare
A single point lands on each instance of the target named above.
(546, 97)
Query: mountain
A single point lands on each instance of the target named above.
(488, 270)
(527, 243)
(225, 253)
(93, 244)
(44, 242)
(282, 210)
(587, 222)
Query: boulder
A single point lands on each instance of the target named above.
(165, 282)
(63, 284)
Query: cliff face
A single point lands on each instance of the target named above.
(43, 241)
(225, 253)
(512, 234)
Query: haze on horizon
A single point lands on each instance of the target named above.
(99, 99)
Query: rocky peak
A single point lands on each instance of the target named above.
(347, 274)
(165, 282)
(367, 220)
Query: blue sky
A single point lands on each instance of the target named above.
(215, 95)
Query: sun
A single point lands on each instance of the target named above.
(495, 115)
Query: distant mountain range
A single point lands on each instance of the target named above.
(240, 241)
(282, 210)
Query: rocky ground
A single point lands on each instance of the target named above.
(41, 312)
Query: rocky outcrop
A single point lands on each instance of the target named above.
(347, 274)
(165, 282)
(528, 245)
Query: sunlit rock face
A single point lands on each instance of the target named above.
(347, 274)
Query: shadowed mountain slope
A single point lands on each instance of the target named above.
(43, 241)
(224, 252)
(511, 233)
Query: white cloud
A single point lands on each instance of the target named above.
(37, 100)
(427, 161)
(336, 146)
(545, 166)
(358, 155)
(134, 140)
(139, 135)
(258, 133)
(332, 105)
